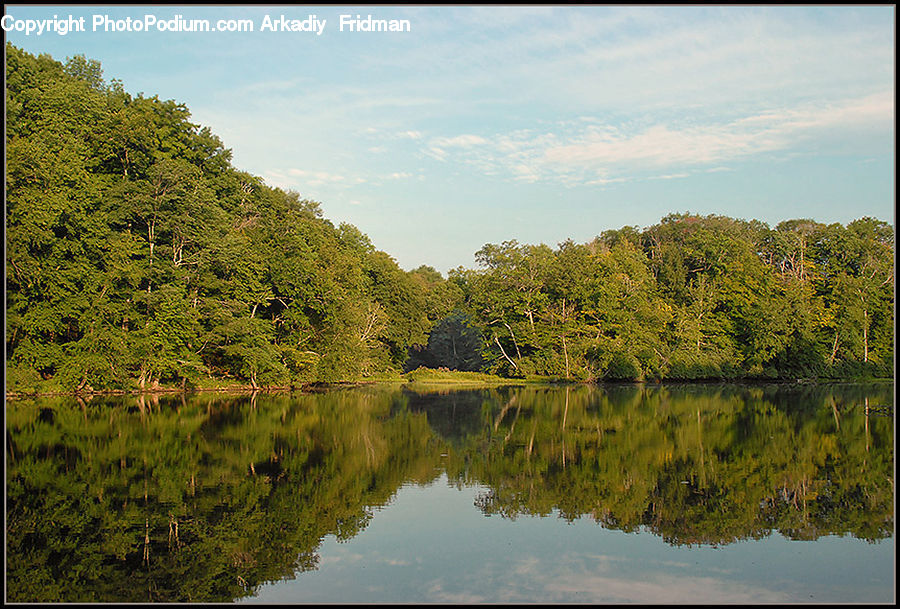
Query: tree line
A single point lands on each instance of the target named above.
(138, 256)
(692, 297)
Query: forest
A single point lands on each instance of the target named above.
(139, 258)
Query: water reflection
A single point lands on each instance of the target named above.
(204, 498)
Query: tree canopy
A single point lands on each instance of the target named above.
(138, 255)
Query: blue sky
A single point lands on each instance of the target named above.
(537, 123)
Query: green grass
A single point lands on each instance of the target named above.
(457, 377)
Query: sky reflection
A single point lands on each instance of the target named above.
(432, 545)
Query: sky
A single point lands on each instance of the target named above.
(534, 123)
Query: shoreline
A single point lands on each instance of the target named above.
(448, 380)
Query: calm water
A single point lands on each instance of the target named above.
(676, 494)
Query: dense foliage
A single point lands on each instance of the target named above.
(693, 297)
(137, 255)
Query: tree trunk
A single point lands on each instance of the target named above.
(865, 336)
(496, 340)
(518, 353)
(151, 229)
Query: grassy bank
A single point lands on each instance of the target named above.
(444, 376)
(420, 377)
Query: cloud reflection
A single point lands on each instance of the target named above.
(607, 579)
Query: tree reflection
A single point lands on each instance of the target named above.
(692, 464)
(204, 499)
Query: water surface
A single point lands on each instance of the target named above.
(674, 494)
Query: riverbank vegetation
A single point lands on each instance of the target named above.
(138, 257)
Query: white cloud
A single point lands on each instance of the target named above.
(671, 176)
(601, 95)
(591, 152)
(459, 141)
(307, 182)
(318, 178)
(660, 588)
(605, 181)
(438, 153)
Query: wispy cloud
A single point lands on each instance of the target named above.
(316, 178)
(601, 95)
(459, 141)
(308, 181)
(660, 588)
(592, 152)
(312, 183)
(608, 579)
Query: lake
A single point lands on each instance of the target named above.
(393, 493)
